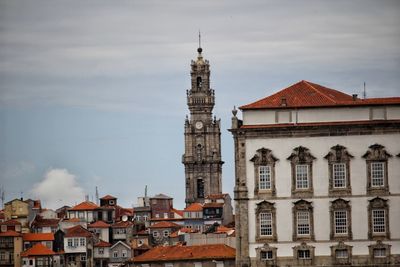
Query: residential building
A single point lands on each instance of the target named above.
(161, 206)
(10, 248)
(45, 225)
(122, 231)
(101, 255)
(218, 255)
(11, 225)
(31, 239)
(120, 254)
(217, 208)
(160, 232)
(78, 247)
(193, 215)
(317, 179)
(202, 157)
(101, 230)
(18, 209)
(41, 256)
(85, 211)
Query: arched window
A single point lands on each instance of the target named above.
(199, 82)
(200, 188)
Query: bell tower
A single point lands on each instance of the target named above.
(202, 158)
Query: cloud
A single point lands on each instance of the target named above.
(58, 187)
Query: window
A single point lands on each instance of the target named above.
(155, 234)
(379, 252)
(301, 162)
(301, 176)
(303, 254)
(378, 221)
(166, 233)
(264, 173)
(303, 223)
(69, 240)
(340, 213)
(266, 255)
(124, 253)
(82, 242)
(342, 254)
(377, 174)
(339, 171)
(340, 222)
(339, 175)
(30, 262)
(377, 165)
(76, 242)
(168, 265)
(265, 177)
(200, 188)
(83, 257)
(101, 251)
(115, 254)
(81, 215)
(4, 228)
(266, 223)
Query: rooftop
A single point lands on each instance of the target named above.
(38, 237)
(165, 225)
(308, 94)
(38, 250)
(77, 231)
(86, 205)
(99, 224)
(194, 207)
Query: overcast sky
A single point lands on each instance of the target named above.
(94, 92)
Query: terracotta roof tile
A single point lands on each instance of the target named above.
(77, 231)
(165, 225)
(179, 212)
(181, 253)
(194, 207)
(108, 197)
(99, 224)
(38, 250)
(307, 94)
(10, 233)
(11, 223)
(38, 237)
(122, 224)
(86, 205)
(102, 243)
(41, 222)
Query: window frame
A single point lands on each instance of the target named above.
(263, 158)
(378, 204)
(305, 207)
(339, 156)
(301, 157)
(343, 206)
(263, 208)
(377, 154)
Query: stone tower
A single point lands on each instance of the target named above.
(202, 158)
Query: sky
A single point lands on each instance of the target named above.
(93, 93)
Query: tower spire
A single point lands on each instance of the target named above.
(199, 39)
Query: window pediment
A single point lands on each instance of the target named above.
(264, 205)
(377, 152)
(301, 155)
(303, 204)
(340, 203)
(378, 202)
(264, 156)
(338, 153)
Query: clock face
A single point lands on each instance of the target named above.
(199, 125)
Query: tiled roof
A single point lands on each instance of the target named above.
(184, 253)
(122, 224)
(99, 224)
(166, 219)
(162, 196)
(86, 205)
(38, 237)
(165, 225)
(179, 212)
(10, 233)
(194, 207)
(11, 223)
(216, 196)
(38, 250)
(77, 231)
(213, 205)
(102, 244)
(40, 222)
(312, 124)
(108, 197)
(307, 94)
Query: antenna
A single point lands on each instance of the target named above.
(2, 193)
(145, 191)
(199, 39)
(97, 196)
(365, 92)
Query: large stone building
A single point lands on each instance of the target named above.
(317, 179)
(202, 158)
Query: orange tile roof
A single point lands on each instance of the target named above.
(86, 205)
(108, 197)
(194, 207)
(38, 250)
(10, 233)
(179, 212)
(307, 94)
(102, 244)
(99, 224)
(165, 225)
(38, 237)
(181, 253)
(11, 223)
(122, 224)
(77, 231)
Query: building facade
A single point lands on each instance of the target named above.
(317, 179)
(202, 157)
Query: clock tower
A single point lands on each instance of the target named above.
(202, 158)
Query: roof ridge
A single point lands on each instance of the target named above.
(315, 89)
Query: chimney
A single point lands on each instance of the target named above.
(354, 97)
(283, 102)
